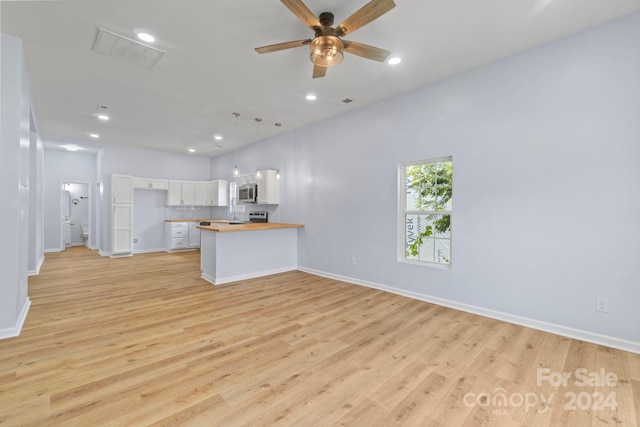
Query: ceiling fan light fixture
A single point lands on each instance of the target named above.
(326, 51)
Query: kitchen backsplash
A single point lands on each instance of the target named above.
(221, 212)
(177, 212)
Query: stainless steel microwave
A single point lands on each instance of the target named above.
(248, 193)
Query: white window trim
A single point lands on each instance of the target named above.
(401, 212)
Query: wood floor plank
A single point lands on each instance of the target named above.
(143, 340)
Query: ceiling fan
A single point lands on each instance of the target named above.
(327, 46)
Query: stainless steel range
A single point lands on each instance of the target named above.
(259, 216)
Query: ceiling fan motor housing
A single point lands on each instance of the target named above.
(326, 19)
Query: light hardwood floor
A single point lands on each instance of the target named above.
(144, 341)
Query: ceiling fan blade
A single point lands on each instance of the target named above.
(319, 71)
(282, 46)
(367, 13)
(366, 51)
(303, 13)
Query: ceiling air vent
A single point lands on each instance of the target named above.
(125, 49)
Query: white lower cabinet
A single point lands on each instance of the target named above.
(121, 215)
(194, 235)
(176, 235)
(121, 229)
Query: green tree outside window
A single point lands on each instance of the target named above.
(430, 190)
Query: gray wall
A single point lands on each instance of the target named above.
(63, 166)
(145, 163)
(36, 199)
(545, 147)
(96, 168)
(16, 158)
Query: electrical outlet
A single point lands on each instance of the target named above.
(353, 260)
(135, 240)
(602, 305)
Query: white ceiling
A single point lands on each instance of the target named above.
(210, 68)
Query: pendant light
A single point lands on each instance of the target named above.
(258, 121)
(277, 125)
(235, 168)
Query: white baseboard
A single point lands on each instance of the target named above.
(246, 276)
(177, 251)
(37, 270)
(146, 251)
(613, 342)
(120, 255)
(52, 250)
(15, 331)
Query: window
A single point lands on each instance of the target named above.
(425, 206)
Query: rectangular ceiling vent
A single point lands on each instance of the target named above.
(125, 49)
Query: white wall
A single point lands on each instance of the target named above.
(97, 168)
(545, 147)
(148, 220)
(124, 160)
(36, 199)
(15, 160)
(63, 166)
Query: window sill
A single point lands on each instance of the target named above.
(426, 264)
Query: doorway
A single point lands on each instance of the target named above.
(76, 214)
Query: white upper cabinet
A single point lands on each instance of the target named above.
(198, 193)
(121, 189)
(150, 183)
(201, 194)
(181, 193)
(174, 198)
(188, 193)
(247, 178)
(268, 188)
(218, 192)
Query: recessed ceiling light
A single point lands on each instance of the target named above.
(311, 97)
(192, 150)
(71, 147)
(94, 135)
(394, 61)
(103, 117)
(146, 37)
(217, 137)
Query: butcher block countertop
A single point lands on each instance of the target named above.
(194, 220)
(224, 226)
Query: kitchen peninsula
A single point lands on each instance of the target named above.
(230, 252)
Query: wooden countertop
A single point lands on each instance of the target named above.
(223, 227)
(194, 220)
